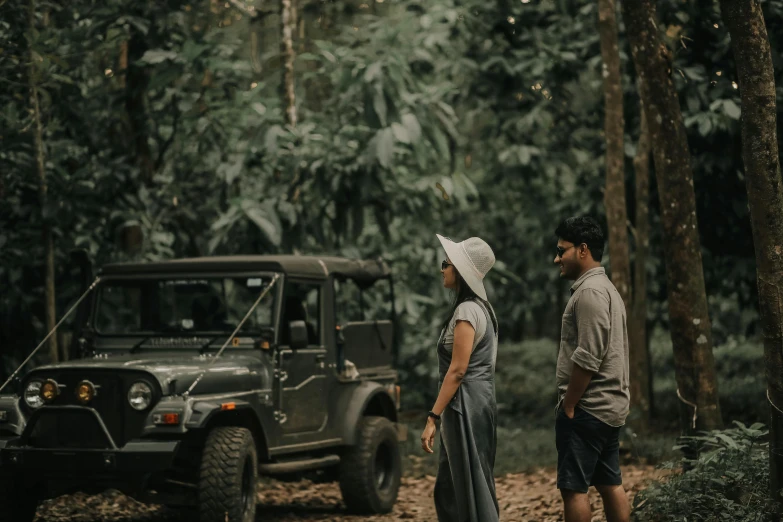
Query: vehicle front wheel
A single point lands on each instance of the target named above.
(18, 505)
(227, 481)
(370, 470)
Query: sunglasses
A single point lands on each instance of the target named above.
(445, 264)
(561, 250)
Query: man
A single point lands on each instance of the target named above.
(592, 377)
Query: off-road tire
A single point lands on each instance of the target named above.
(17, 504)
(228, 476)
(370, 470)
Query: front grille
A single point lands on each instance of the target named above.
(57, 428)
(110, 401)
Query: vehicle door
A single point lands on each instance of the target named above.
(300, 376)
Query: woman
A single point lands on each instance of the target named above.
(466, 407)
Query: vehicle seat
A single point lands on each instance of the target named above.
(294, 310)
(208, 313)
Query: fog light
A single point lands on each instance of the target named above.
(166, 419)
(85, 392)
(50, 390)
(3, 416)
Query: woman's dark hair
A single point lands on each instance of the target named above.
(583, 229)
(465, 293)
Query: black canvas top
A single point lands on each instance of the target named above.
(364, 272)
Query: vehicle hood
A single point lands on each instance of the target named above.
(227, 373)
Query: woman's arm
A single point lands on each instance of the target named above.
(460, 357)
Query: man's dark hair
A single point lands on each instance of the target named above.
(583, 229)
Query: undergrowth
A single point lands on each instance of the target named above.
(728, 481)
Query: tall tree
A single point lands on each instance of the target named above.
(616, 213)
(43, 199)
(135, 79)
(287, 25)
(641, 390)
(750, 45)
(614, 193)
(688, 316)
(136, 83)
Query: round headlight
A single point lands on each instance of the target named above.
(32, 394)
(85, 392)
(140, 396)
(49, 390)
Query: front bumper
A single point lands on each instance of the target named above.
(94, 452)
(135, 458)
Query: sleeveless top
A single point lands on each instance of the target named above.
(482, 361)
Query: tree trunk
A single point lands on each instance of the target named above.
(690, 324)
(122, 64)
(614, 193)
(640, 355)
(298, 24)
(136, 83)
(255, 55)
(751, 48)
(287, 25)
(40, 161)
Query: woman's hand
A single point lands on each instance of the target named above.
(428, 435)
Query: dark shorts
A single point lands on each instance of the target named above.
(588, 452)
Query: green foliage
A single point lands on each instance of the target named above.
(526, 392)
(654, 447)
(728, 481)
(525, 383)
(519, 450)
(462, 118)
(739, 366)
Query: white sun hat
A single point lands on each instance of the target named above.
(472, 258)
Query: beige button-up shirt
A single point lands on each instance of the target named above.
(595, 337)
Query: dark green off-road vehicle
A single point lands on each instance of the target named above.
(198, 375)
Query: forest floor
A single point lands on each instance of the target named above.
(523, 497)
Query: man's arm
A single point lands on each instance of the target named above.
(593, 323)
(577, 384)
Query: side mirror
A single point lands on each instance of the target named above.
(298, 334)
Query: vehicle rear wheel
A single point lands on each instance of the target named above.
(227, 482)
(18, 504)
(370, 470)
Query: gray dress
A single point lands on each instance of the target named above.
(465, 485)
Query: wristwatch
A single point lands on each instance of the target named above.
(433, 415)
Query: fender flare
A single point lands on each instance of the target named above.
(211, 413)
(355, 401)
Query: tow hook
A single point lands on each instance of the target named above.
(108, 461)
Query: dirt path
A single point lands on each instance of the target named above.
(523, 497)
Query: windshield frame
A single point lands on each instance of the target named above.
(276, 294)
